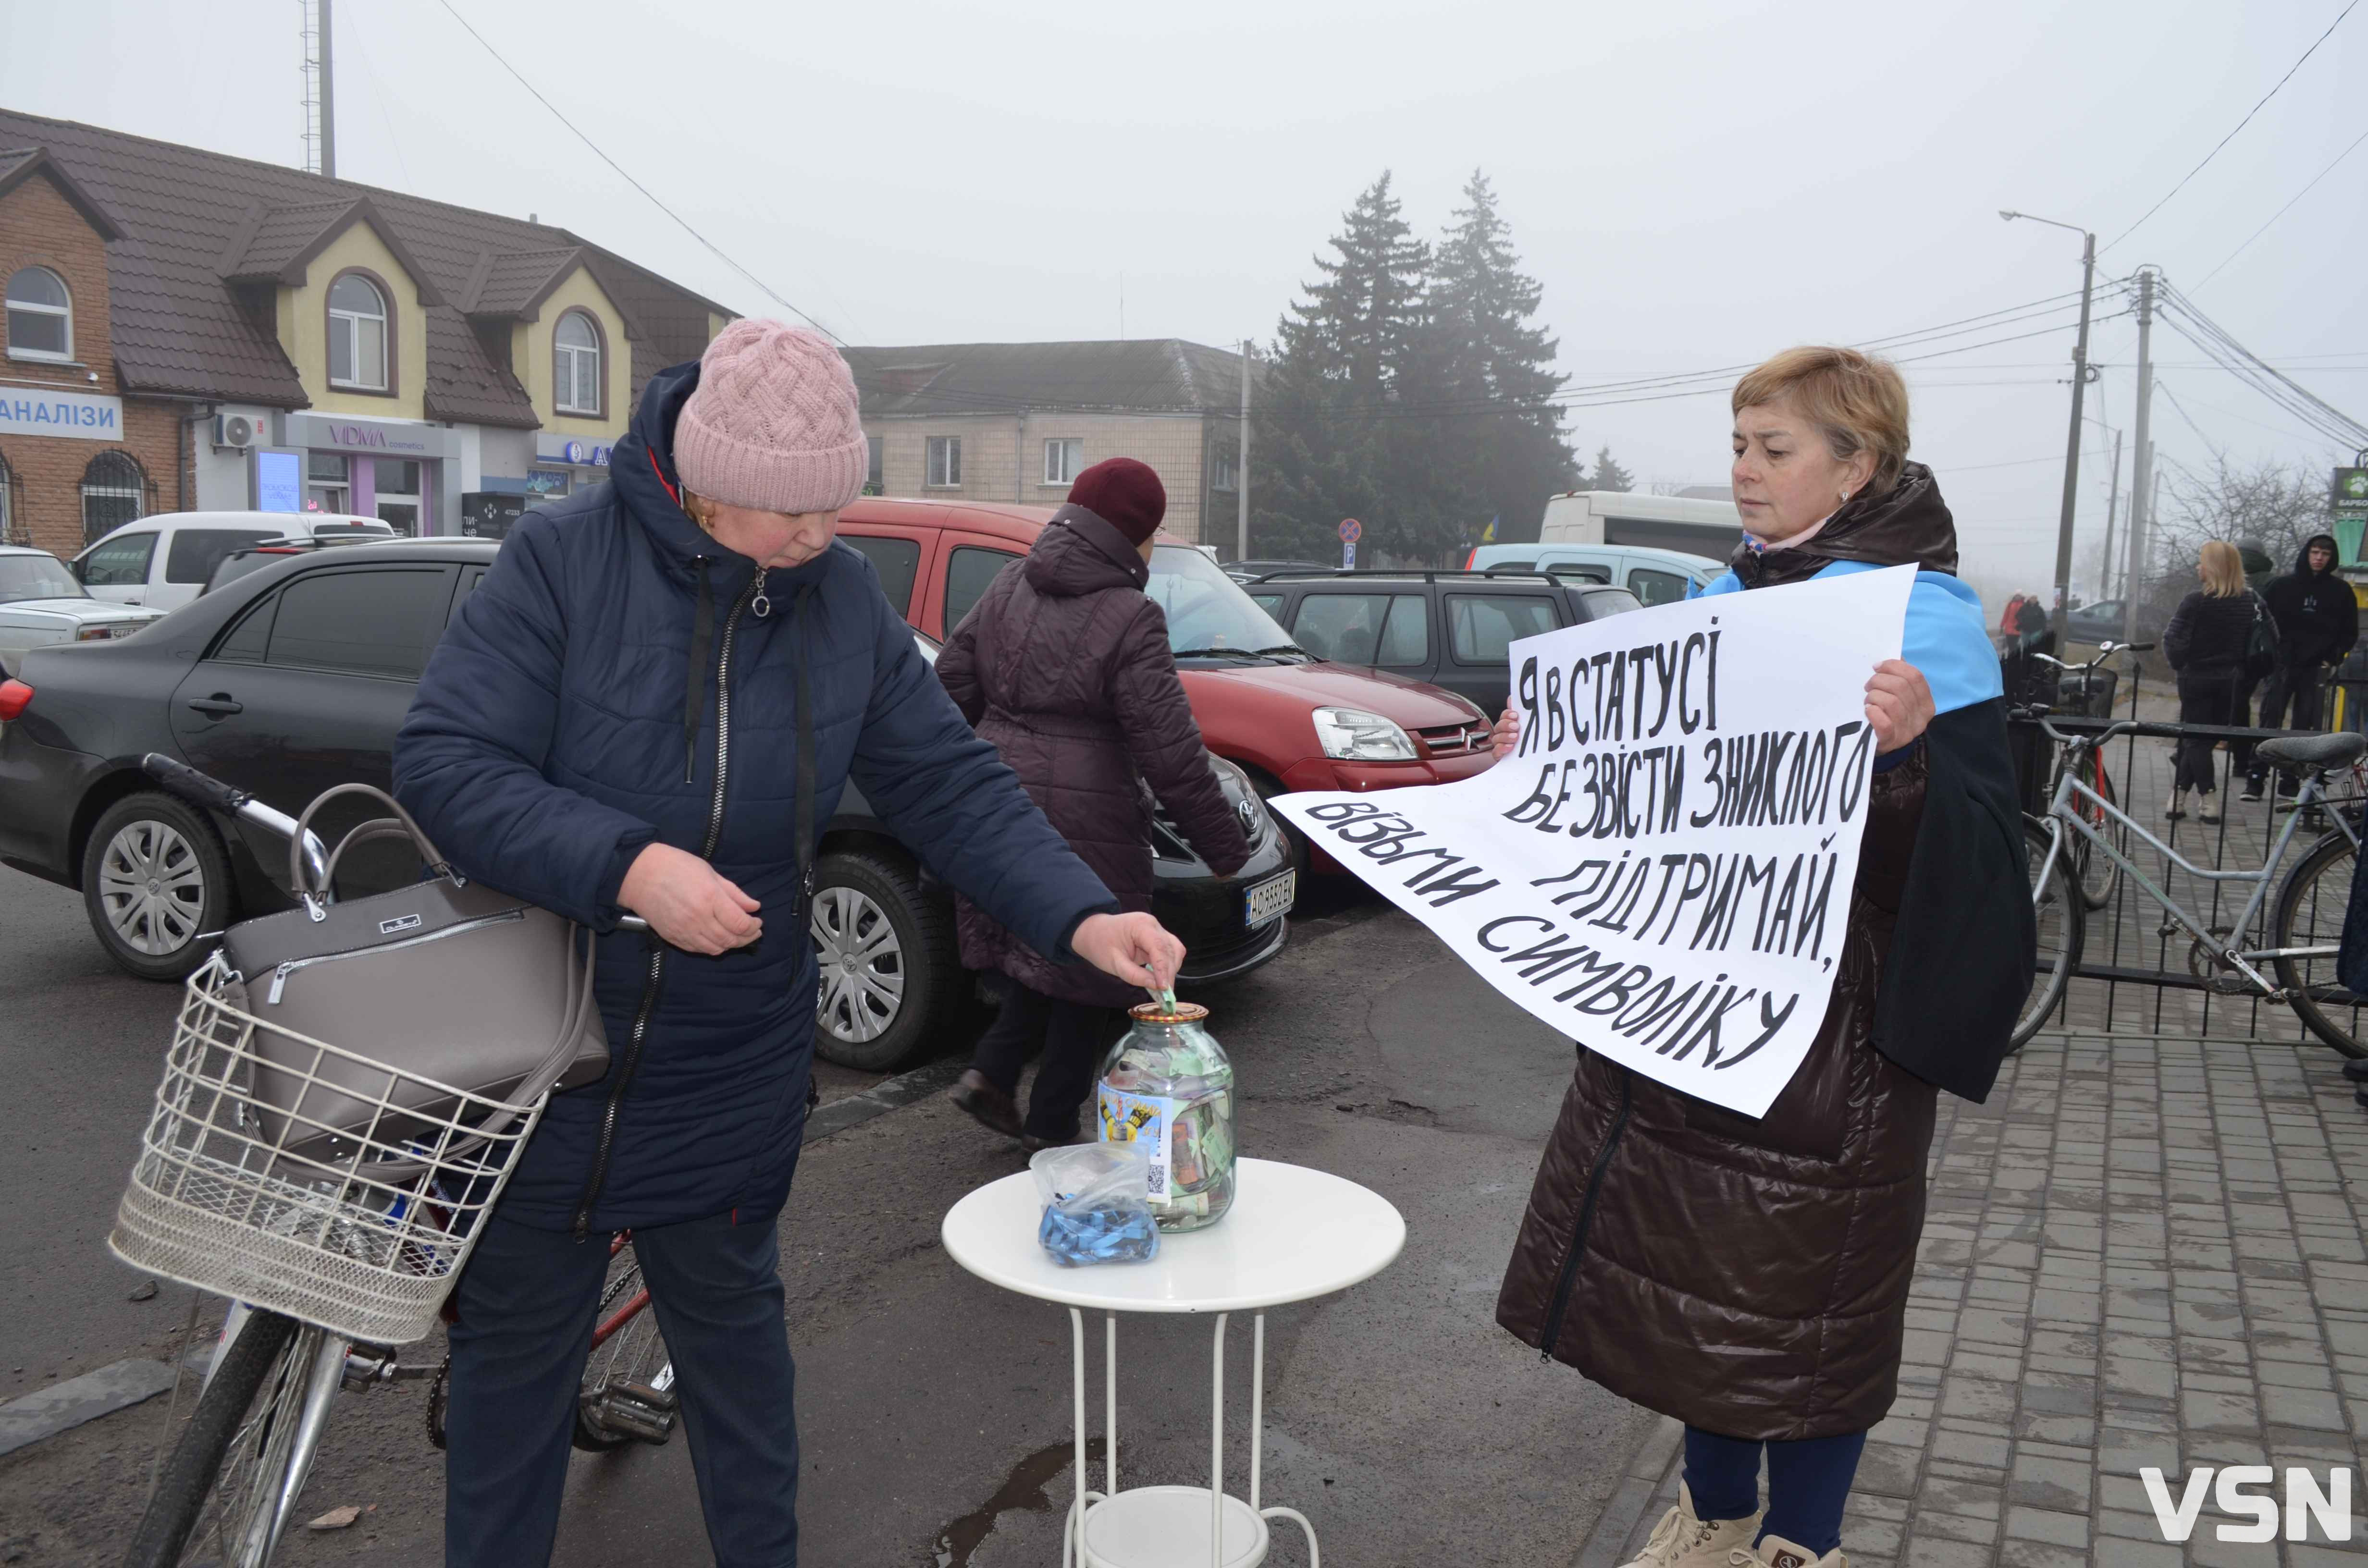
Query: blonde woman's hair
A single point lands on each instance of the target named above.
(1857, 401)
(2223, 569)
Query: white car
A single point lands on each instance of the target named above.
(163, 560)
(41, 603)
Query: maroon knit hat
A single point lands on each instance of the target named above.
(1125, 494)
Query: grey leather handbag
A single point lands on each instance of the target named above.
(443, 981)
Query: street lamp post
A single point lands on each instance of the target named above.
(2072, 448)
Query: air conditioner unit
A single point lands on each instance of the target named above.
(234, 430)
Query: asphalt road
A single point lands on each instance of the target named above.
(934, 1408)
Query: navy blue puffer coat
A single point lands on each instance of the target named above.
(557, 733)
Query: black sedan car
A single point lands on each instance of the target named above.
(296, 677)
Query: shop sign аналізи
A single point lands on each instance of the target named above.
(86, 417)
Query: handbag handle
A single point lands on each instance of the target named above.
(298, 876)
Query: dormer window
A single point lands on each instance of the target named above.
(575, 365)
(357, 338)
(41, 316)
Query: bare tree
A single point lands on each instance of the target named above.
(2270, 506)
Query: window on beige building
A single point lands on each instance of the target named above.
(575, 364)
(945, 462)
(1065, 456)
(356, 334)
(1225, 465)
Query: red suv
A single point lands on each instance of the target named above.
(1289, 719)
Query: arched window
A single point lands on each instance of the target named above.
(114, 492)
(358, 355)
(575, 364)
(40, 315)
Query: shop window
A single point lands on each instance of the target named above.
(357, 340)
(41, 316)
(114, 490)
(1063, 459)
(399, 503)
(945, 462)
(327, 482)
(575, 364)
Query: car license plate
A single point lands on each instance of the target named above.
(1270, 898)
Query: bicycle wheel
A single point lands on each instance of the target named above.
(2058, 905)
(217, 1498)
(2097, 871)
(2311, 907)
(628, 1390)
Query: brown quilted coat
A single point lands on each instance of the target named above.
(1066, 666)
(1749, 1278)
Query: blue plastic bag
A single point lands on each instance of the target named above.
(1097, 1203)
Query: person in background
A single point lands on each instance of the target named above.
(627, 715)
(2208, 642)
(2318, 621)
(1065, 666)
(1749, 1277)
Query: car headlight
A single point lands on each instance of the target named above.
(1353, 735)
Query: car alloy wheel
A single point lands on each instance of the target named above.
(863, 970)
(152, 888)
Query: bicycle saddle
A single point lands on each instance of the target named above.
(2313, 751)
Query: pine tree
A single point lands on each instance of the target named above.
(1504, 440)
(1609, 474)
(1344, 354)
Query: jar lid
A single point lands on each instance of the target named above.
(1158, 1013)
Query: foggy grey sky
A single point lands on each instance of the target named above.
(1696, 182)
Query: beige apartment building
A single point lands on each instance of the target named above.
(1018, 421)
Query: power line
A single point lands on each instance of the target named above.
(2250, 113)
(2180, 315)
(714, 249)
(2282, 212)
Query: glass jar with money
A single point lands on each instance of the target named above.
(1168, 1083)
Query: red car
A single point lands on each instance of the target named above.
(1289, 719)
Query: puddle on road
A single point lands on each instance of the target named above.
(1023, 1489)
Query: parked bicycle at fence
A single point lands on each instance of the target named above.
(2281, 948)
(2086, 691)
(338, 1239)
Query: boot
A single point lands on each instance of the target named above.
(1683, 1540)
(2177, 807)
(986, 1105)
(1777, 1552)
(2207, 807)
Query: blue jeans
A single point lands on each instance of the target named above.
(1809, 1482)
(527, 1303)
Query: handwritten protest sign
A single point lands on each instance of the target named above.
(1663, 868)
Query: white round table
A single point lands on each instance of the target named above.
(1293, 1234)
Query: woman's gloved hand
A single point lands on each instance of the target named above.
(1133, 948)
(688, 903)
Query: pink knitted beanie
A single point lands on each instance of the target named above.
(773, 423)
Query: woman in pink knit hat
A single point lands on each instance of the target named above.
(648, 705)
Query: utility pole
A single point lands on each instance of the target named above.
(2112, 505)
(1242, 467)
(328, 99)
(2142, 477)
(2072, 448)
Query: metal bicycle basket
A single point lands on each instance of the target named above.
(359, 1227)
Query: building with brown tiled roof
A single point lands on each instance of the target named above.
(404, 359)
(1016, 421)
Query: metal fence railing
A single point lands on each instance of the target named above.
(2139, 970)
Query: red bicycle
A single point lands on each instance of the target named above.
(627, 1395)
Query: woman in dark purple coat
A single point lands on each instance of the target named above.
(1065, 665)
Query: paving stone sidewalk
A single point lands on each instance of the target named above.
(2141, 1251)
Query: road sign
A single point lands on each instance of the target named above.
(1351, 531)
(2350, 509)
(1347, 555)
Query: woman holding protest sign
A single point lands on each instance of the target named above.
(1751, 1277)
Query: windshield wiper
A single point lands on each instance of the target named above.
(1286, 648)
(1213, 653)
